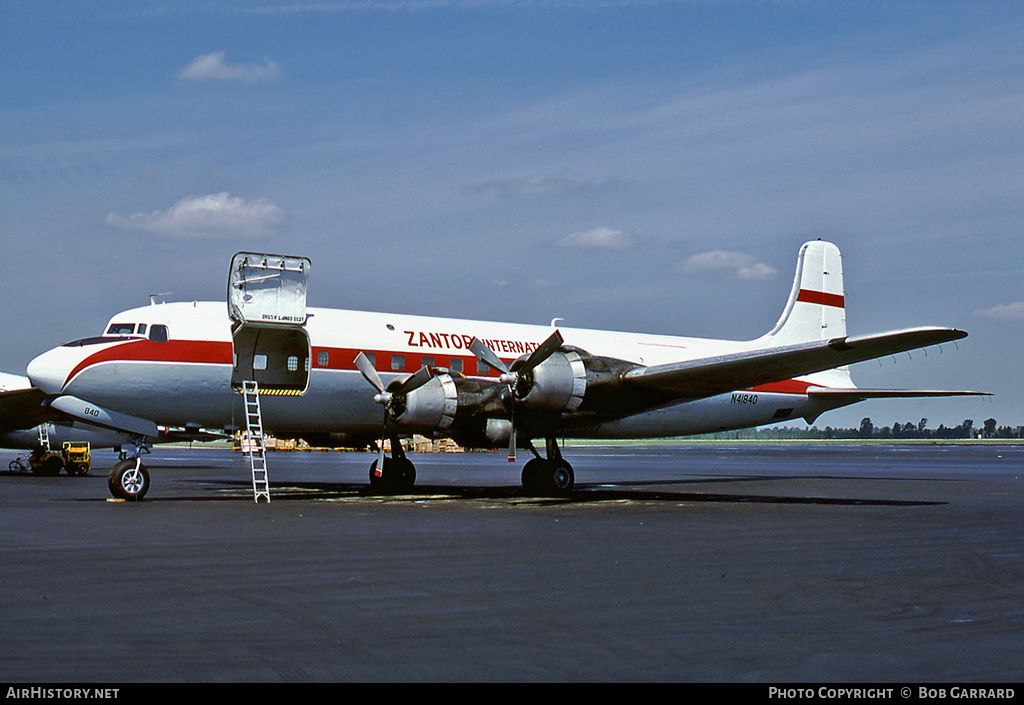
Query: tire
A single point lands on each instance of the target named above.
(532, 472)
(76, 468)
(127, 483)
(51, 467)
(562, 478)
(549, 478)
(399, 476)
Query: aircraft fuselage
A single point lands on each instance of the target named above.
(185, 380)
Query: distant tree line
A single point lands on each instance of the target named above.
(868, 430)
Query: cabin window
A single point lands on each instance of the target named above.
(259, 362)
(372, 357)
(427, 361)
(398, 362)
(323, 358)
(456, 364)
(293, 363)
(158, 334)
(142, 329)
(482, 368)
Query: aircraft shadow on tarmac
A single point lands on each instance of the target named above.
(582, 494)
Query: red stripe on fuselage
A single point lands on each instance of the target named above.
(344, 359)
(221, 353)
(186, 351)
(820, 297)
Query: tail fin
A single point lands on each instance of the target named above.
(816, 308)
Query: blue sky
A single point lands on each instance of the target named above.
(628, 165)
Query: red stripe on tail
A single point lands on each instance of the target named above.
(820, 297)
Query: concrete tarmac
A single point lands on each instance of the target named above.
(725, 563)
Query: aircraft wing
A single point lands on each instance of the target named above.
(29, 407)
(695, 379)
(855, 394)
(23, 408)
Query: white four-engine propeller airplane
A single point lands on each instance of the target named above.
(360, 375)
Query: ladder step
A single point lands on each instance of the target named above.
(254, 437)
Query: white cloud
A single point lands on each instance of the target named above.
(598, 239)
(1003, 312)
(738, 264)
(211, 67)
(217, 215)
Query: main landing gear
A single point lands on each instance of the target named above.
(394, 475)
(550, 476)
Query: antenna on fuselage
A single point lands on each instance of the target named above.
(153, 297)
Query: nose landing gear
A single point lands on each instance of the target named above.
(129, 479)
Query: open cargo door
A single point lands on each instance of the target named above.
(267, 305)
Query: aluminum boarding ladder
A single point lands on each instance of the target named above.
(44, 436)
(256, 449)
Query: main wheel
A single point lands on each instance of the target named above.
(398, 475)
(548, 477)
(561, 478)
(532, 475)
(128, 482)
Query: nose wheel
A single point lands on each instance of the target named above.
(129, 480)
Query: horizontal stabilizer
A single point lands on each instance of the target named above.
(695, 379)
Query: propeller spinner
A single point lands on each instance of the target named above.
(392, 400)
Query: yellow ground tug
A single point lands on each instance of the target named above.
(74, 459)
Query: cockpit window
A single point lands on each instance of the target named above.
(158, 333)
(121, 329)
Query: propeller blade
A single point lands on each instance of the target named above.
(416, 380)
(487, 356)
(543, 351)
(539, 355)
(364, 365)
(512, 432)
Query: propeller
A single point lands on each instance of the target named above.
(390, 400)
(517, 376)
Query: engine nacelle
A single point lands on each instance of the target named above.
(430, 407)
(557, 384)
(476, 410)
